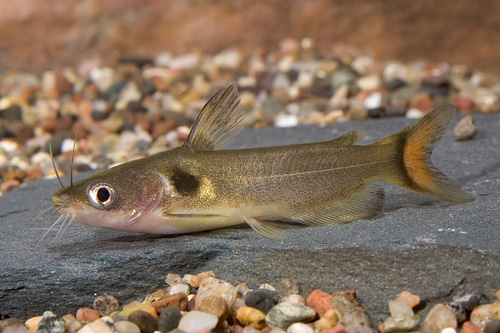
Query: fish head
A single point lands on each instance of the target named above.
(114, 199)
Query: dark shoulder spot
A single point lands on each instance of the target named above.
(185, 183)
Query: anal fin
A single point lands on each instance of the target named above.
(266, 228)
(365, 202)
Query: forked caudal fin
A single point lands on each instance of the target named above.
(414, 170)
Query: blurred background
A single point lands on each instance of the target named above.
(41, 34)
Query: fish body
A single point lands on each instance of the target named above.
(199, 187)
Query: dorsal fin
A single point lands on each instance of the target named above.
(218, 122)
(349, 138)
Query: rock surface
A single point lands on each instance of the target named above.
(418, 244)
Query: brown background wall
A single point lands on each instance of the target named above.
(37, 34)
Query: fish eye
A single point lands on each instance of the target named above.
(102, 196)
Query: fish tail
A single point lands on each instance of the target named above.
(414, 170)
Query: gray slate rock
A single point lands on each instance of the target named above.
(420, 245)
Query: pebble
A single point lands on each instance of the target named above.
(299, 328)
(469, 327)
(328, 320)
(216, 287)
(465, 129)
(356, 321)
(127, 327)
(178, 300)
(196, 321)
(439, 318)
(195, 280)
(402, 317)
(287, 287)
(33, 321)
(467, 295)
(320, 301)
(459, 311)
(169, 319)
(16, 328)
(284, 314)
(411, 299)
(144, 320)
(251, 316)
(87, 315)
(215, 305)
(101, 325)
(106, 304)
(50, 324)
(493, 326)
(262, 299)
(71, 323)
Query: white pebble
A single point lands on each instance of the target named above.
(101, 325)
(216, 287)
(196, 321)
(368, 82)
(299, 328)
(179, 288)
(294, 299)
(19, 163)
(67, 145)
(9, 146)
(399, 308)
(267, 286)
(414, 114)
(286, 121)
(449, 330)
(250, 329)
(373, 101)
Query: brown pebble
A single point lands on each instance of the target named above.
(439, 318)
(9, 185)
(87, 315)
(214, 305)
(106, 304)
(192, 304)
(179, 301)
(163, 127)
(71, 323)
(34, 173)
(251, 316)
(465, 129)
(422, 101)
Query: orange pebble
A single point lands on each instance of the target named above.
(131, 305)
(33, 321)
(151, 310)
(411, 299)
(320, 301)
(87, 315)
(470, 327)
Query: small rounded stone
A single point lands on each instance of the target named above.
(16, 328)
(127, 327)
(50, 324)
(320, 301)
(287, 286)
(215, 305)
(144, 320)
(411, 299)
(71, 323)
(106, 304)
(169, 319)
(33, 321)
(262, 299)
(285, 314)
(87, 315)
(251, 316)
(178, 300)
(493, 326)
(465, 129)
(216, 287)
(467, 295)
(196, 321)
(439, 318)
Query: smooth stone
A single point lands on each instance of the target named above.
(33, 321)
(214, 305)
(169, 319)
(106, 304)
(251, 316)
(395, 84)
(87, 315)
(493, 326)
(284, 314)
(299, 328)
(179, 288)
(127, 327)
(373, 101)
(50, 324)
(368, 82)
(409, 298)
(286, 287)
(16, 328)
(328, 320)
(465, 129)
(144, 320)
(71, 323)
(422, 101)
(127, 310)
(439, 318)
(343, 305)
(341, 77)
(399, 308)
(469, 327)
(215, 287)
(250, 329)
(195, 280)
(262, 299)
(179, 301)
(449, 330)
(400, 323)
(196, 321)
(8, 322)
(294, 299)
(320, 301)
(356, 322)
(101, 325)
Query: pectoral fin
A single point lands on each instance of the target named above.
(218, 122)
(266, 228)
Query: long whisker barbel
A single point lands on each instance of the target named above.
(71, 166)
(54, 165)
